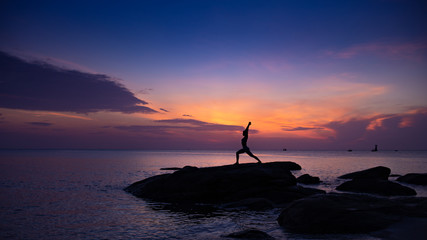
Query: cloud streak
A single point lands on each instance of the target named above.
(41, 86)
(41, 124)
(181, 124)
(301, 129)
(201, 125)
(413, 51)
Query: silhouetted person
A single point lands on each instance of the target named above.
(245, 148)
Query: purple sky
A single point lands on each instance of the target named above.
(191, 74)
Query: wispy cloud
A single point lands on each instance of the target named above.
(300, 128)
(67, 115)
(201, 125)
(413, 51)
(181, 124)
(41, 86)
(42, 124)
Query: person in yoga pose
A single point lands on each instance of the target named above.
(245, 148)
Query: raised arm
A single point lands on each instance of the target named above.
(247, 128)
(245, 133)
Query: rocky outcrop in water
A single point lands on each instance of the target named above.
(374, 181)
(267, 183)
(307, 179)
(379, 172)
(348, 213)
(414, 178)
(249, 234)
(379, 187)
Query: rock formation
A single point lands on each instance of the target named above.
(268, 183)
(414, 178)
(348, 213)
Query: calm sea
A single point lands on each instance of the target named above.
(64, 194)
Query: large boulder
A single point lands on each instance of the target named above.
(249, 234)
(224, 184)
(307, 179)
(340, 213)
(379, 172)
(414, 178)
(374, 186)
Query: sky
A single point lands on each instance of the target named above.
(309, 75)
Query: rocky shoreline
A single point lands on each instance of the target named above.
(367, 202)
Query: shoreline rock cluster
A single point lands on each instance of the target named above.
(365, 207)
(374, 181)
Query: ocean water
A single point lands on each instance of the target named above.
(70, 194)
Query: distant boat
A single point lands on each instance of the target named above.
(375, 149)
(349, 150)
(285, 149)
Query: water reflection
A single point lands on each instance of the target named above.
(78, 194)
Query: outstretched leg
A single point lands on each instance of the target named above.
(252, 155)
(237, 155)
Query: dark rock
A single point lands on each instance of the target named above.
(339, 213)
(171, 168)
(414, 178)
(256, 204)
(307, 179)
(380, 187)
(249, 234)
(408, 228)
(371, 173)
(224, 184)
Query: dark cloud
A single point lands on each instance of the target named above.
(43, 124)
(187, 115)
(40, 86)
(150, 130)
(301, 129)
(164, 110)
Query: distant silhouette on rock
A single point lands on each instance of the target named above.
(245, 148)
